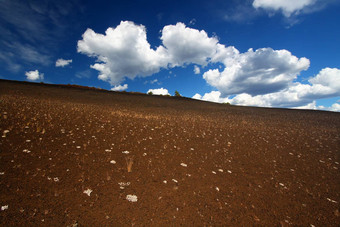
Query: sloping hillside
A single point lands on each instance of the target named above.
(66, 153)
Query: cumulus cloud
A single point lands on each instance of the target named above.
(335, 107)
(120, 88)
(159, 91)
(124, 52)
(255, 72)
(214, 96)
(262, 77)
(186, 45)
(34, 75)
(288, 7)
(62, 62)
(323, 85)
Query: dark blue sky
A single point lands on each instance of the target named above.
(200, 48)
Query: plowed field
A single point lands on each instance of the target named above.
(71, 156)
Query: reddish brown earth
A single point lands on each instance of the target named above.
(194, 163)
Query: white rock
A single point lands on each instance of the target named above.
(125, 152)
(331, 200)
(5, 207)
(217, 189)
(88, 192)
(113, 162)
(184, 165)
(220, 170)
(174, 180)
(131, 198)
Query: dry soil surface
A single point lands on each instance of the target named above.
(65, 153)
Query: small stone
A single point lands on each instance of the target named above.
(331, 200)
(131, 198)
(113, 162)
(5, 207)
(88, 192)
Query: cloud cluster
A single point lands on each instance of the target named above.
(324, 85)
(262, 77)
(34, 75)
(62, 62)
(159, 91)
(124, 52)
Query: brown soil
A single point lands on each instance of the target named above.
(191, 163)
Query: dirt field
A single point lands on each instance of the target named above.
(65, 153)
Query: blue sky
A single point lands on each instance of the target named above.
(282, 53)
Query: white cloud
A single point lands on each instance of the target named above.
(264, 77)
(197, 69)
(327, 80)
(34, 75)
(335, 107)
(255, 72)
(159, 91)
(297, 95)
(125, 52)
(213, 96)
(197, 96)
(62, 62)
(186, 45)
(122, 52)
(154, 81)
(288, 7)
(120, 88)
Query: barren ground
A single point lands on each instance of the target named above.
(64, 153)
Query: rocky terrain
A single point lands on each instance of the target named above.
(73, 156)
